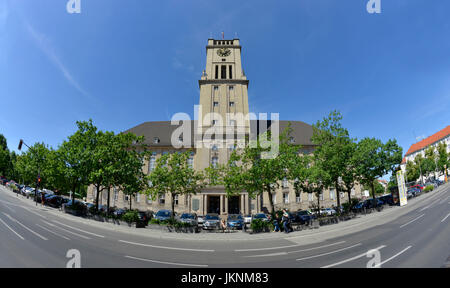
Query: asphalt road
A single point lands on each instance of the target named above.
(35, 236)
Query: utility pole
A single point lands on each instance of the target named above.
(38, 180)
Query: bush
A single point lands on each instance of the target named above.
(154, 221)
(428, 188)
(258, 225)
(130, 216)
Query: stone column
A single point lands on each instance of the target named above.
(226, 204)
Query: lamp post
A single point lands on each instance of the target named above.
(38, 180)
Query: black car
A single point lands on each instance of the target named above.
(303, 217)
(56, 201)
(142, 220)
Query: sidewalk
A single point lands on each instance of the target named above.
(360, 223)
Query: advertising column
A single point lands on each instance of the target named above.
(401, 188)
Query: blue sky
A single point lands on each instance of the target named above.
(122, 63)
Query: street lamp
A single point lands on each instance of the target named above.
(38, 180)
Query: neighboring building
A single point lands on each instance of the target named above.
(223, 90)
(420, 147)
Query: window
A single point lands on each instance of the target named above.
(191, 161)
(232, 123)
(231, 71)
(214, 148)
(216, 104)
(298, 197)
(217, 73)
(232, 147)
(291, 140)
(231, 104)
(162, 199)
(152, 164)
(231, 88)
(216, 88)
(138, 198)
(286, 198)
(116, 194)
(321, 196)
(223, 72)
(274, 199)
(214, 122)
(342, 194)
(310, 197)
(175, 199)
(156, 140)
(214, 161)
(332, 195)
(353, 192)
(285, 183)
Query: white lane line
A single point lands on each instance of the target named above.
(67, 231)
(48, 230)
(351, 259)
(18, 235)
(387, 260)
(431, 204)
(164, 247)
(412, 220)
(168, 263)
(445, 217)
(90, 233)
(332, 252)
(35, 233)
(289, 246)
(297, 251)
(9, 208)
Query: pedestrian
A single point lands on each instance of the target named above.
(276, 227)
(43, 198)
(285, 220)
(223, 225)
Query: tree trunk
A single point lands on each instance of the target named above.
(269, 191)
(74, 187)
(318, 204)
(173, 205)
(108, 201)
(131, 197)
(97, 197)
(373, 191)
(338, 195)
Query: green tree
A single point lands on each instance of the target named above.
(412, 171)
(173, 175)
(443, 157)
(376, 159)
(333, 152)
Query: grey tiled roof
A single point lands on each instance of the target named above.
(301, 132)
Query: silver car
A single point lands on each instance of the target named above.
(211, 221)
(190, 218)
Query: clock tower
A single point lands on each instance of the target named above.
(223, 98)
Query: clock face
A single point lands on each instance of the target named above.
(224, 52)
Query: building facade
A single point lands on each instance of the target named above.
(223, 104)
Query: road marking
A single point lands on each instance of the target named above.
(42, 227)
(428, 206)
(10, 209)
(351, 259)
(267, 255)
(297, 251)
(12, 229)
(163, 247)
(35, 233)
(445, 217)
(67, 231)
(412, 221)
(387, 260)
(289, 246)
(332, 252)
(168, 263)
(90, 233)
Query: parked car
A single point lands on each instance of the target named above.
(163, 215)
(247, 219)
(142, 220)
(419, 186)
(261, 216)
(235, 221)
(56, 201)
(303, 217)
(200, 220)
(387, 199)
(190, 218)
(119, 212)
(373, 203)
(212, 221)
(358, 207)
